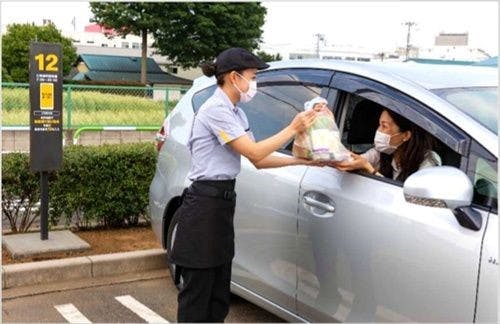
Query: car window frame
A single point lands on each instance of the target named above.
(197, 93)
(386, 96)
(480, 153)
(274, 77)
(350, 84)
(268, 78)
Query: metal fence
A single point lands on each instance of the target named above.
(93, 106)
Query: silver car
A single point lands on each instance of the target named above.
(316, 244)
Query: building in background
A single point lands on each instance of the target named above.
(94, 40)
(106, 68)
(447, 39)
(453, 47)
(447, 47)
(413, 52)
(335, 52)
(110, 68)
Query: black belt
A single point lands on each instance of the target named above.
(223, 189)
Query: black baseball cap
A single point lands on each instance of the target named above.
(235, 59)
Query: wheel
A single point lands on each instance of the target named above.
(172, 231)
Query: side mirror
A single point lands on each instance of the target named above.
(445, 187)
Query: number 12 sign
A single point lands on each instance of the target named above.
(46, 106)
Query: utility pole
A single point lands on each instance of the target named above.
(319, 37)
(409, 24)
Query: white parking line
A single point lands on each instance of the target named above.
(141, 310)
(71, 313)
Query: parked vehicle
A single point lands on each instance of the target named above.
(317, 244)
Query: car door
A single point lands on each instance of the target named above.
(266, 209)
(365, 254)
(482, 169)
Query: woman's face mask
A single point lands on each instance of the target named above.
(382, 142)
(252, 90)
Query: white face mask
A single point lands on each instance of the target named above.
(252, 90)
(382, 143)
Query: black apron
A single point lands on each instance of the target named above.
(205, 232)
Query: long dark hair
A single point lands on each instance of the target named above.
(410, 154)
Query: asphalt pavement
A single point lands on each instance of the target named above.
(138, 301)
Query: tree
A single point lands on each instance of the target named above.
(136, 18)
(192, 32)
(16, 45)
(266, 57)
(187, 33)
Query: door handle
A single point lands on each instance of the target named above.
(318, 204)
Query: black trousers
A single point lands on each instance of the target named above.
(205, 295)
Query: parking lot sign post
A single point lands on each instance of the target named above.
(45, 70)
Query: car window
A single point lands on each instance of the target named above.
(275, 106)
(405, 105)
(358, 125)
(480, 103)
(359, 120)
(483, 172)
(294, 76)
(304, 77)
(272, 108)
(200, 97)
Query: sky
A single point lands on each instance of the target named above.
(372, 25)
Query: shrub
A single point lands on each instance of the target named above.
(20, 192)
(107, 185)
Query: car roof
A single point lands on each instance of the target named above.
(429, 76)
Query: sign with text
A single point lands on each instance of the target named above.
(45, 70)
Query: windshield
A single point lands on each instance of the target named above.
(479, 103)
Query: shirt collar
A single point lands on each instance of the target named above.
(221, 94)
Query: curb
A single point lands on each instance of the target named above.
(41, 272)
(36, 228)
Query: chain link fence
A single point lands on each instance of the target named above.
(88, 105)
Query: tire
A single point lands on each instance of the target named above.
(172, 230)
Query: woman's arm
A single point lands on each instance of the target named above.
(272, 161)
(258, 151)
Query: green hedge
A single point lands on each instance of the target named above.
(20, 192)
(107, 184)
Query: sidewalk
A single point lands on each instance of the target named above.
(85, 267)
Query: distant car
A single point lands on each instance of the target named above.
(317, 244)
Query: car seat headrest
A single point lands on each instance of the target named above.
(364, 122)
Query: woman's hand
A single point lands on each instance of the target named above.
(357, 163)
(302, 121)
